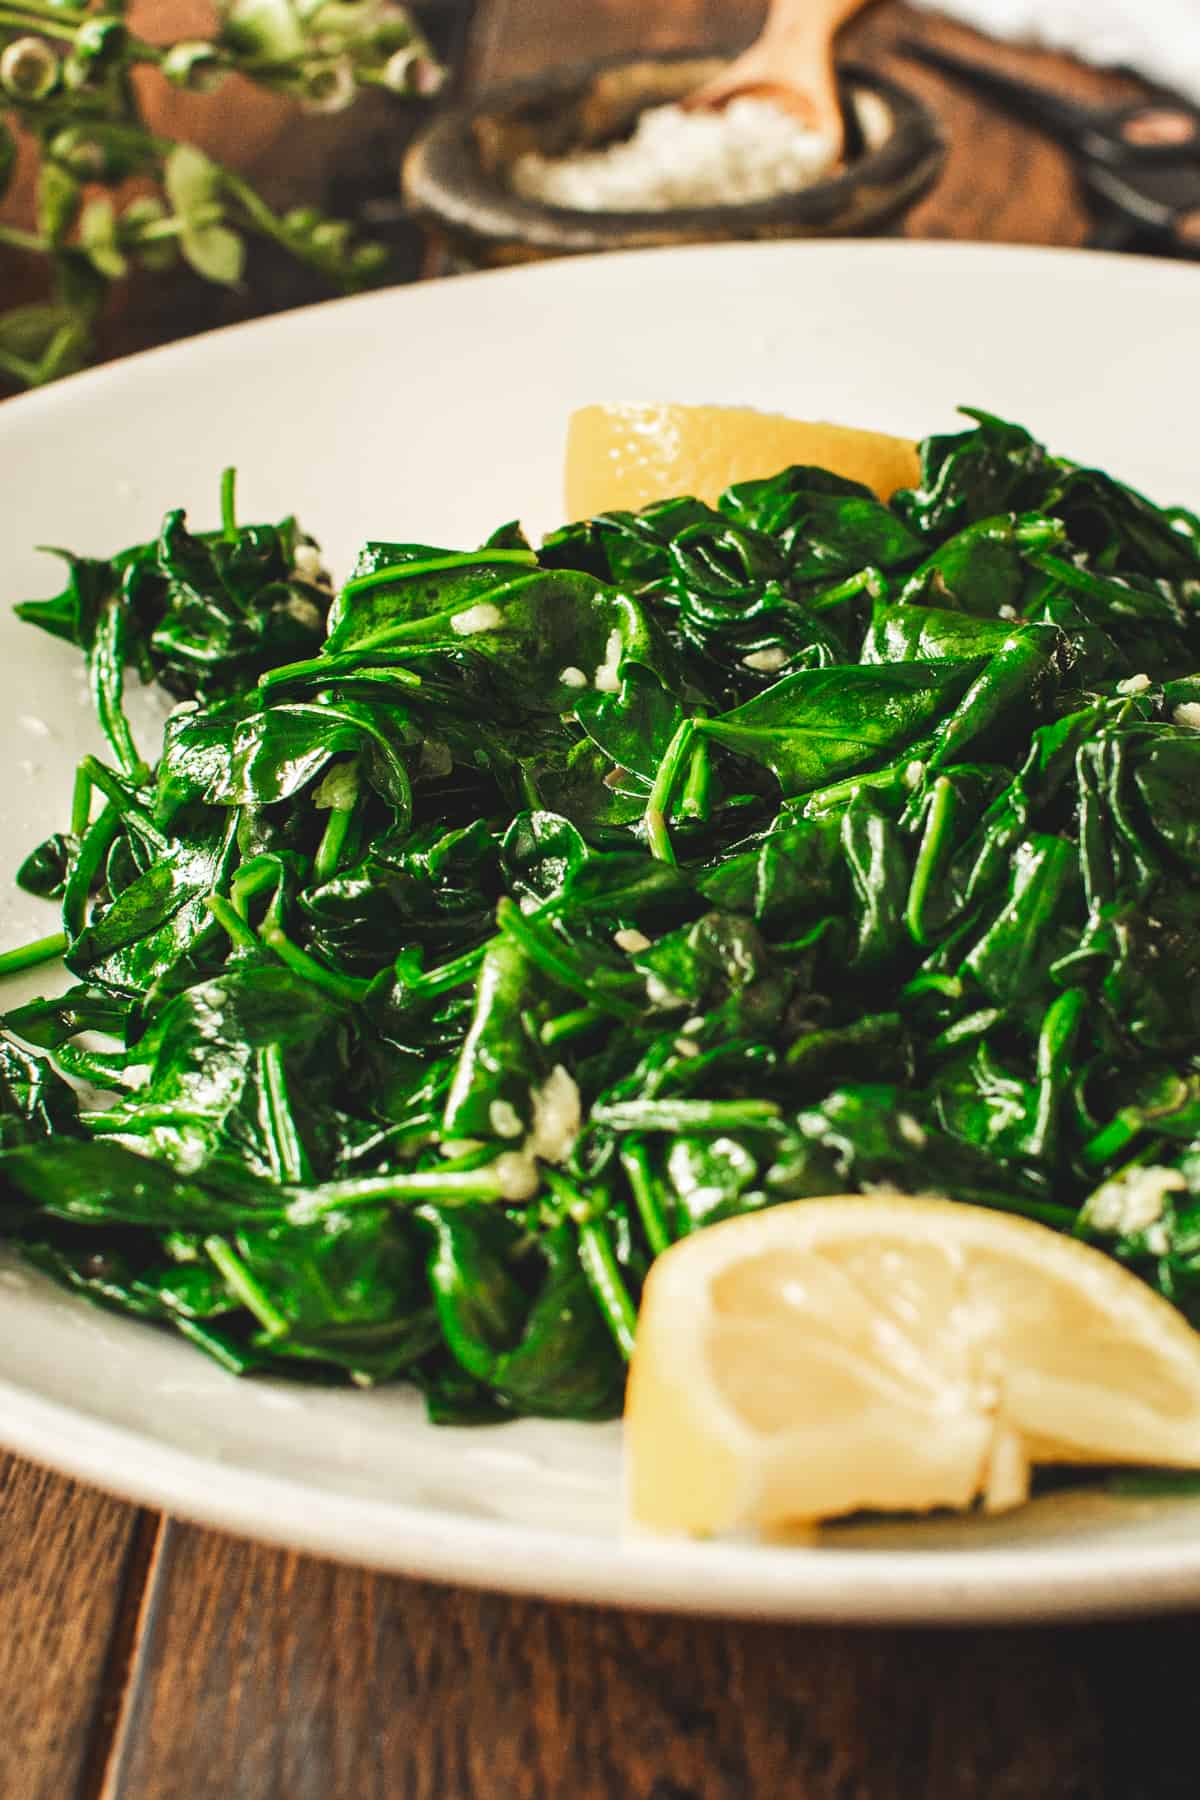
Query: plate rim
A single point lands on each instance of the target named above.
(1029, 1585)
(1157, 270)
(1032, 1583)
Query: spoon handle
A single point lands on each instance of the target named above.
(795, 22)
(791, 61)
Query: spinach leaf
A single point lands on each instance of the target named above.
(484, 928)
(817, 725)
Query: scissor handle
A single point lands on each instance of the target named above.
(1062, 118)
(1161, 129)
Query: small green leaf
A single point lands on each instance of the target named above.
(59, 195)
(192, 180)
(216, 253)
(40, 342)
(269, 29)
(98, 235)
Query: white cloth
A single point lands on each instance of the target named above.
(1158, 38)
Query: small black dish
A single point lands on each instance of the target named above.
(456, 172)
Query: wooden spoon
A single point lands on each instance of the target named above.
(790, 63)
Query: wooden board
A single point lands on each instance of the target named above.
(264, 1676)
(75, 1564)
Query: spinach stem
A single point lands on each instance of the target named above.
(229, 528)
(696, 792)
(129, 811)
(932, 982)
(120, 1118)
(603, 1273)
(963, 1030)
(590, 980)
(337, 826)
(869, 580)
(1056, 1042)
(106, 672)
(444, 979)
(434, 565)
(102, 1069)
(454, 1186)
(569, 1025)
(30, 955)
(660, 794)
(232, 923)
(935, 840)
(426, 627)
(222, 1349)
(245, 1288)
(1036, 532)
(329, 850)
(532, 798)
(684, 1115)
(254, 878)
(1062, 1218)
(636, 1163)
(81, 801)
(344, 663)
(343, 987)
(93, 848)
(288, 1154)
(1115, 1137)
(658, 837)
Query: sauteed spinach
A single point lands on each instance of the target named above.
(481, 930)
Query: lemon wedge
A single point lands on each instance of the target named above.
(894, 1354)
(626, 455)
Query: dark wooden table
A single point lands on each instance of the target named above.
(142, 1658)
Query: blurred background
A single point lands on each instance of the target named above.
(1003, 178)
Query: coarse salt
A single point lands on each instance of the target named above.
(749, 150)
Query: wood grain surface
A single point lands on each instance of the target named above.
(142, 1659)
(263, 1676)
(74, 1565)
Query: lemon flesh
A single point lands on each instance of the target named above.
(623, 456)
(893, 1354)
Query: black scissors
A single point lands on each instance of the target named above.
(1139, 162)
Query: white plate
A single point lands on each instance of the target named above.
(436, 412)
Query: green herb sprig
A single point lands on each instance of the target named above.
(66, 81)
